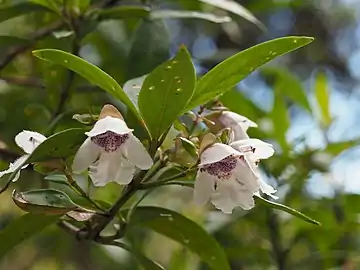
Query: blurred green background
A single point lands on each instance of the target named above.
(306, 103)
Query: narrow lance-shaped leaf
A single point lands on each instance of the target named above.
(281, 120)
(322, 98)
(166, 91)
(90, 72)
(286, 209)
(179, 14)
(23, 228)
(288, 84)
(235, 8)
(182, 230)
(228, 73)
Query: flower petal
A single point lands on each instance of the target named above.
(203, 188)
(125, 172)
(238, 123)
(85, 156)
(100, 172)
(229, 118)
(109, 123)
(29, 140)
(136, 153)
(267, 189)
(262, 149)
(245, 175)
(217, 152)
(229, 194)
(14, 166)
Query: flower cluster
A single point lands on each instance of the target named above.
(228, 174)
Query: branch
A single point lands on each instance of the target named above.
(37, 35)
(65, 93)
(275, 240)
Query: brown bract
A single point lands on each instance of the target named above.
(110, 110)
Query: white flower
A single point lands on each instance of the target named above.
(111, 151)
(254, 150)
(28, 141)
(227, 178)
(238, 123)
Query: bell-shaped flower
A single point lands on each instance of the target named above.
(238, 123)
(111, 152)
(28, 141)
(255, 150)
(227, 178)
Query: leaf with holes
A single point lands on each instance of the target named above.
(22, 228)
(228, 73)
(47, 201)
(90, 72)
(182, 230)
(166, 91)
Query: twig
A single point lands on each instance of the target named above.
(65, 93)
(37, 35)
(73, 184)
(275, 240)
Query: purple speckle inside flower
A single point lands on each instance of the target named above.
(223, 168)
(110, 141)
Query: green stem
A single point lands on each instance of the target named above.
(79, 190)
(159, 184)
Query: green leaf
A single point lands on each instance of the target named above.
(228, 73)
(68, 140)
(23, 228)
(50, 4)
(57, 178)
(132, 88)
(288, 84)
(89, 71)
(322, 98)
(286, 209)
(336, 148)
(169, 87)
(60, 145)
(123, 12)
(16, 9)
(189, 146)
(48, 201)
(183, 230)
(143, 260)
(179, 14)
(231, 99)
(7, 42)
(148, 51)
(281, 120)
(235, 8)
